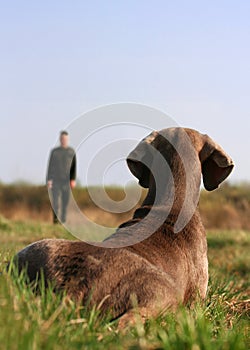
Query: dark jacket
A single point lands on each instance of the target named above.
(62, 165)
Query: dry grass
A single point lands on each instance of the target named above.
(226, 208)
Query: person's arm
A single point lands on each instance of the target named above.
(73, 172)
(49, 177)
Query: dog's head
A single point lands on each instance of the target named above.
(189, 147)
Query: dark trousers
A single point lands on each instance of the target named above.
(60, 190)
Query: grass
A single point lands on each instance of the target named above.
(49, 321)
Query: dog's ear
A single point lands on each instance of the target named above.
(140, 159)
(216, 164)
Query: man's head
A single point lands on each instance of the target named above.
(64, 139)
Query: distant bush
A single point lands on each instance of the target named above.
(23, 200)
(226, 208)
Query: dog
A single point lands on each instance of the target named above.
(159, 257)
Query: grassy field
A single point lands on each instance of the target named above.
(49, 321)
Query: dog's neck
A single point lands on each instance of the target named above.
(168, 201)
(181, 187)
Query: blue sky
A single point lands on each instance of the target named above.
(59, 59)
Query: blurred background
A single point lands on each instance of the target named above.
(61, 59)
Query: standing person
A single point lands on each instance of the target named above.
(61, 175)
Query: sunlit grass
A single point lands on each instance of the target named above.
(46, 320)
